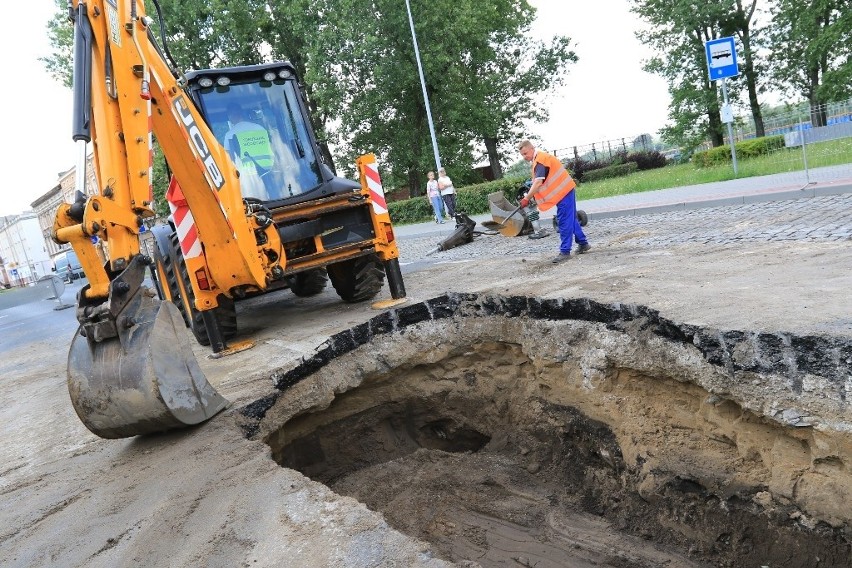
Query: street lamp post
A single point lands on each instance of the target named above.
(423, 85)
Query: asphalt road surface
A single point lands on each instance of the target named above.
(33, 313)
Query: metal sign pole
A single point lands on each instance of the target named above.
(730, 130)
(804, 152)
(423, 85)
(722, 63)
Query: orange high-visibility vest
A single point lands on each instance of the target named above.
(557, 184)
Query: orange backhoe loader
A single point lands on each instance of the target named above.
(254, 208)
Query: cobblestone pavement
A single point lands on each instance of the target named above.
(820, 219)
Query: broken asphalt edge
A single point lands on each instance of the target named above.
(784, 354)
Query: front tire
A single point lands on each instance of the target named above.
(357, 279)
(174, 284)
(309, 282)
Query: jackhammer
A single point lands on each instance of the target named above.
(462, 234)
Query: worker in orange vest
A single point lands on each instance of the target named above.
(553, 185)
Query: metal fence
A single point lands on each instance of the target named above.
(606, 149)
(811, 154)
(797, 119)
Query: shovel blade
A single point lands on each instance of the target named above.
(501, 212)
(145, 380)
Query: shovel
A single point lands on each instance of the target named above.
(503, 224)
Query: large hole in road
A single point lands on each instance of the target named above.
(536, 452)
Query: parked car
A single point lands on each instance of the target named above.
(68, 266)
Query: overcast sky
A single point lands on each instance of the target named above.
(37, 111)
(607, 95)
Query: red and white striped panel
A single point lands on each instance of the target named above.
(187, 232)
(150, 155)
(185, 227)
(374, 184)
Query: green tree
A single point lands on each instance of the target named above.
(812, 51)
(480, 68)
(61, 35)
(291, 36)
(500, 62)
(740, 22)
(357, 63)
(188, 31)
(678, 32)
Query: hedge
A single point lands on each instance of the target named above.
(472, 200)
(759, 146)
(745, 149)
(580, 168)
(646, 159)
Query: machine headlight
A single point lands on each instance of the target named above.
(205, 82)
(223, 81)
(269, 76)
(285, 74)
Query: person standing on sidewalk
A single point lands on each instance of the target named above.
(553, 185)
(433, 194)
(448, 192)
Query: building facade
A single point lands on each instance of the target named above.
(24, 257)
(46, 206)
(27, 250)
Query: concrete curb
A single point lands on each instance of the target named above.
(762, 197)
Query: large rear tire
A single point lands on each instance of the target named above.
(173, 284)
(358, 279)
(225, 312)
(309, 282)
(166, 280)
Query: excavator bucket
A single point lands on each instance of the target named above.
(142, 380)
(501, 209)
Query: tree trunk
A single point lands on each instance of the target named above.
(493, 158)
(817, 110)
(716, 136)
(751, 82)
(714, 119)
(414, 189)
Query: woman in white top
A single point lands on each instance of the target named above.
(448, 192)
(433, 194)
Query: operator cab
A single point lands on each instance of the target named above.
(258, 114)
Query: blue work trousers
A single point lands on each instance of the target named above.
(569, 227)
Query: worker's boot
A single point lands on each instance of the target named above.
(538, 230)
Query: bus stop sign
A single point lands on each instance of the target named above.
(721, 58)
